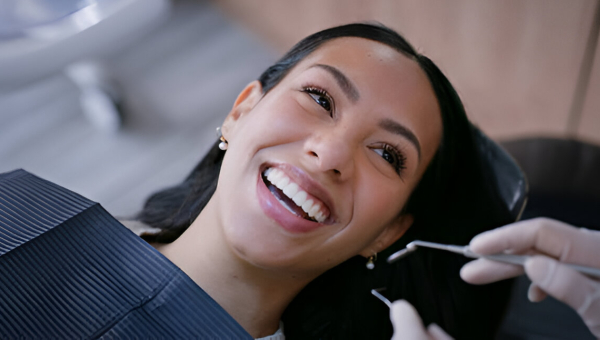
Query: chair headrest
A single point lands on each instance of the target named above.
(507, 176)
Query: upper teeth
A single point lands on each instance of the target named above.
(279, 179)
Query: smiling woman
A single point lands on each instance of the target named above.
(351, 144)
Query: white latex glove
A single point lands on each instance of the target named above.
(408, 324)
(552, 242)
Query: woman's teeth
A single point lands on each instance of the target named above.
(300, 197)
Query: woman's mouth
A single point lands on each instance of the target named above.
(291, 196)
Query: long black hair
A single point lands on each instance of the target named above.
(453, 202)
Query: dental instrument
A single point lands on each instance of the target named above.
(377, 294)
(464, 250)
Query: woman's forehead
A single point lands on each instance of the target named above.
(363, 53)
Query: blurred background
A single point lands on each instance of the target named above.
(116, 99)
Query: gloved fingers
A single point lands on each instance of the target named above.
(535, 293)
(483, 271)
(437, 333)
(407, 322)
(567, 285)
(517, 237)
(551, 237)
(590, 313)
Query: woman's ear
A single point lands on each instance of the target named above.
(245, 101)
(389, 235)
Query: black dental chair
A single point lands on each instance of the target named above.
(565, 185)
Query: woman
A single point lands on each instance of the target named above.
(330, 157)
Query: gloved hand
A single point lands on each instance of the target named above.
(552, 243)
(408, 324)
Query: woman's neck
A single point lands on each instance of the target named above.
(254, 297)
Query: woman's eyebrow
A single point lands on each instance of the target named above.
(399, 129)
(347, 87)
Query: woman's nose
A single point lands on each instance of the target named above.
(332, 154)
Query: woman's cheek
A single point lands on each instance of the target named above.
(291, 121)
(382, 201)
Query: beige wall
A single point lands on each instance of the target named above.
(515, 63)
(589, 126)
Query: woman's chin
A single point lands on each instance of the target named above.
(275, 255)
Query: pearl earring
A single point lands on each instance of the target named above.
(223, 145)
(371, 261)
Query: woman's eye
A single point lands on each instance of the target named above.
(320, 97)
(391, 155)
(321, 100)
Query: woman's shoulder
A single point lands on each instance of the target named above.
(31, 206)
(71, 270)
(139, 228)
(142, 230)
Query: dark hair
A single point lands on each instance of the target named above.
(453, 202)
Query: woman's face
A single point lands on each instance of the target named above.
(347, 134)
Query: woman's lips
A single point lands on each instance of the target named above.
(286, 211)
(295, 196)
